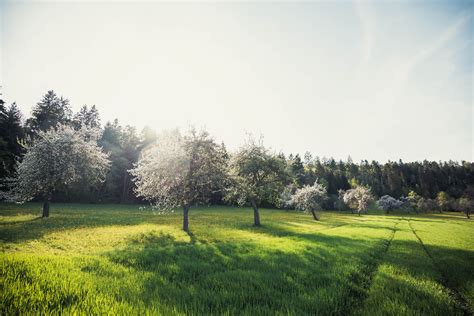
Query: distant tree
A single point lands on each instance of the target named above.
(86, 117)
(57, 158)
(12, 134)
(310, 199)
(297, 170)
(405, 203)
(358, 198)
(147, 138)
(465, 205)
(180, 171)
(427, 205)
(444, 201)
(413, 199)
(285, 200)
(338, 203)
(256, 175)
(388, 203)
(123, 146)
(49, 112)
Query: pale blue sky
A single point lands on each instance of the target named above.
(374, 80)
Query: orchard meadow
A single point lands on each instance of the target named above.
(119, 259)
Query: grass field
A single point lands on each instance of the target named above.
(99, 259)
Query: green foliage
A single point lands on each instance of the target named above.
(12, 135)
(297, 170)
(444, 201)
(49, 112)
(118, 259)
(465, 205)
(88, 118)
(257, 175)
(427, 205)
(123, 145)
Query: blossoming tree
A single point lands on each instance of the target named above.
(310, 198)
(358, 198)
(181, 171)
(58, 158)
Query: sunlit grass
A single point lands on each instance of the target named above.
(96, 259)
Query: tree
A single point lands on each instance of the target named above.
(180, 171)
(256, 175)
(57, 159)
(123, 146)
(413, 199)
(11, 136)
(358, 198)
(388, 203)
(465, 205)
(310, 199)
(49, 112)
(285, 200)
(87, 118)
(297, 170)
(444, 201)
(426, 205)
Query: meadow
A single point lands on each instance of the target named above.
(119, 259)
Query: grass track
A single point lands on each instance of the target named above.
(95, 259)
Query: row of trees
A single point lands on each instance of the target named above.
(253, 175)
(416, 203)
(175, 172)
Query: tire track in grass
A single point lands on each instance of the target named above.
(362, 279)
(458, 297)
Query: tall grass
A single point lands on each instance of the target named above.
(108, 259)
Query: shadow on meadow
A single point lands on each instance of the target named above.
(323, 273)
(245, 277)
(67, 216)
(331, 276)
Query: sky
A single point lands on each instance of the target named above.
(382, 80)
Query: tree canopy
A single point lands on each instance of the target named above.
(57, 159)
(310, 198)
(180, 171)
(358, 198)
(256, 175)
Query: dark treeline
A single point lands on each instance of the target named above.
(124, 144)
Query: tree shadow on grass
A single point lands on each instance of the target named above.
(332, 275)
(66, 217)
(245, 277)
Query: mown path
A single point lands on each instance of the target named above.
(398, 273)
(444, 279)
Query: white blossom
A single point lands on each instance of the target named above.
(310, 198)
(358, 198)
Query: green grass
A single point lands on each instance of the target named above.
(115, 259)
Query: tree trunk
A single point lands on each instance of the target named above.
(124, 188)
(315, 216)
(468, 214)
(256, 214)
(185, 218)
(46, 207)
